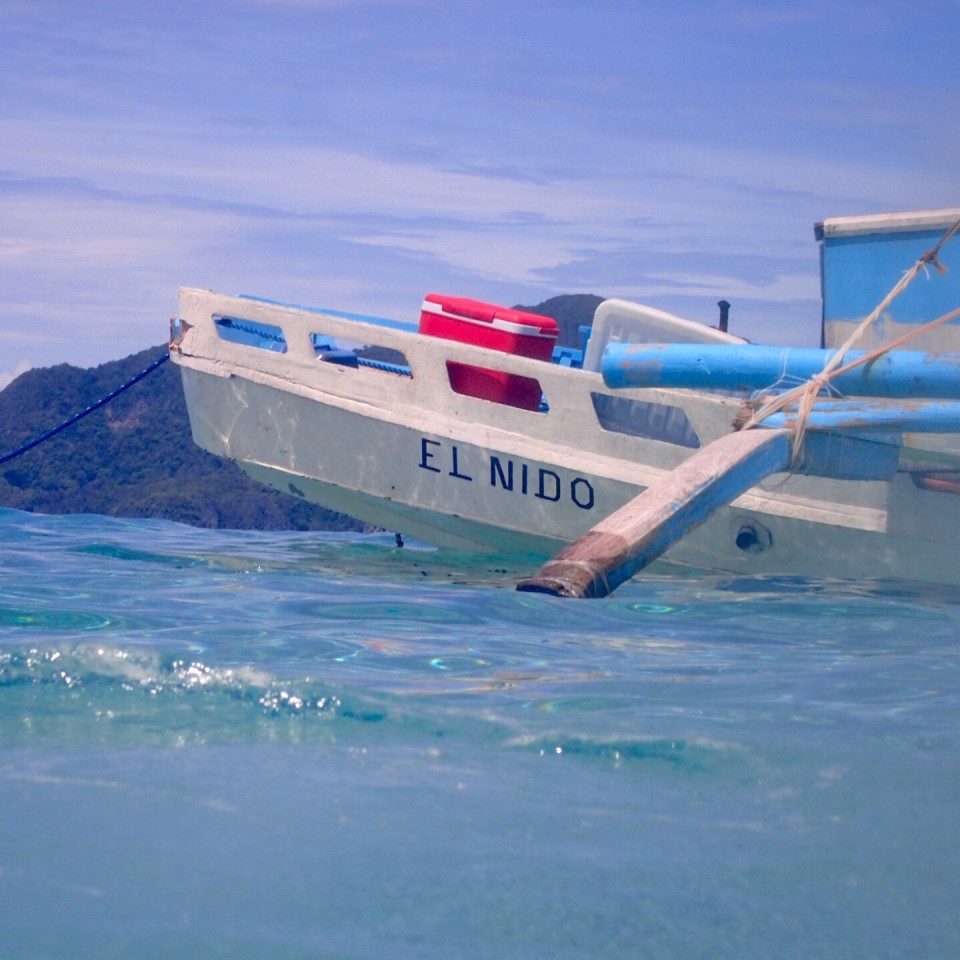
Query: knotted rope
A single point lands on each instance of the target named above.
(806, 394)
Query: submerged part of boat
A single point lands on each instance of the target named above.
(466, 430)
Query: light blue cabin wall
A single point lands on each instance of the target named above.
(859, 270)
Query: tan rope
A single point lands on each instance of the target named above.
(805, 395)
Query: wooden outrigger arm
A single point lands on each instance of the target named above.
(638, 533)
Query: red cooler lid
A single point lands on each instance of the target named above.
(488, 312)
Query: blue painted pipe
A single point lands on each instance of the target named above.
(906, 416)
(748, 367)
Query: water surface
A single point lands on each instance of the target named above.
(303, 745)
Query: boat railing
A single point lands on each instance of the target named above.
(389, 365)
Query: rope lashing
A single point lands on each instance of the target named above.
(806, 394)
(84, 413)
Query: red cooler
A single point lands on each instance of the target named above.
(497, 328)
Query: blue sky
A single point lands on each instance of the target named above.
(361, 153)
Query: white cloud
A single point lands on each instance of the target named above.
(8, 376)
(788, 288)
(291, 165)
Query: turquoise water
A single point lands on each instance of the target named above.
(225, 744)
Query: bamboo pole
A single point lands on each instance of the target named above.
(638, 533)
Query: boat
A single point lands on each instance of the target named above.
(467, 427)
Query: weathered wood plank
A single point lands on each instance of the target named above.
(627, 540)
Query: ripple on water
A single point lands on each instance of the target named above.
(86, 692)
(689, 755)
(54, 620)
(399, 613)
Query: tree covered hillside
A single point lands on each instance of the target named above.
(571, 311)
(134, 457)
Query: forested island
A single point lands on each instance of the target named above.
(134, 456)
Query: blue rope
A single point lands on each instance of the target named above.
(83, 413)
(386, 367)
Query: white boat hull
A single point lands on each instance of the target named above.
(408, 454)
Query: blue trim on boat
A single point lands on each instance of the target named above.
(251, 333)
(362, 317)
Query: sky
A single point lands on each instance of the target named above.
(359, 154)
